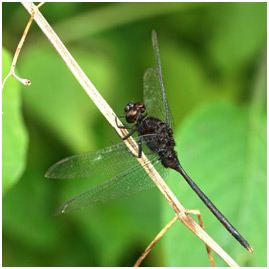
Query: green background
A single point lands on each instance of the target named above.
(214, 67)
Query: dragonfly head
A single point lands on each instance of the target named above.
(133, 110)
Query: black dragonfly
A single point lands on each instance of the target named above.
(155, 136)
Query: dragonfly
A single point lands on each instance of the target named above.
(153, 122)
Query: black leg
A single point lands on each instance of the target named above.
(139, 148)
(129, 134)
(133, 130)
(123, 126)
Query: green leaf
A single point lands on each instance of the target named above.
(239, 34)
(30, 222)
(214, 149)
(57, 99)
(15, 139)
(185, 78)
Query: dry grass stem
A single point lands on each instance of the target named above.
(165, 229)
(198, 214)
(154, 241)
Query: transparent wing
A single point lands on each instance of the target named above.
(153, 98)
(131, 181)
(111, 161)
(127, 175)
(154, 93)
(105, 161)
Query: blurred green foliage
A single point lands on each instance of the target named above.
(14, 132)
(214, 66)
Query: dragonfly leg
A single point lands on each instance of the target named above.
(134, 129)
(129, 134)
(139, 148)
(125, 148)
(122, 126)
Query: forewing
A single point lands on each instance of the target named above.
(110, 161)
(105, 161)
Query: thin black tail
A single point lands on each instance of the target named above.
(215, 211)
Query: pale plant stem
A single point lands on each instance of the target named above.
(165, 229)
(110, 116)
(24, 81)
(154, 241)
(208, 249)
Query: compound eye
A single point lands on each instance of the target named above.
(131, 115)
(128, 107)
(140, 107)
(130, 112)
